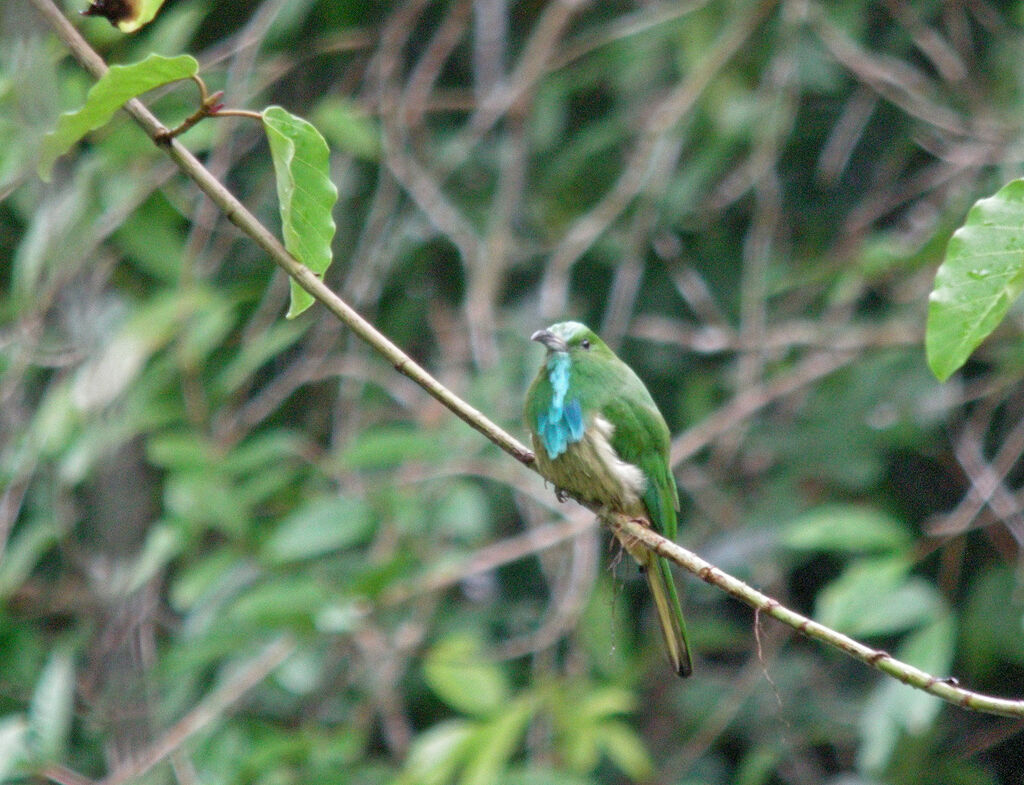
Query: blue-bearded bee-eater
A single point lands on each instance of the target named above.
(598, 435)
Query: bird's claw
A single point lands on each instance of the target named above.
(561, 494)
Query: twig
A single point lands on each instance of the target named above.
(894, 80)
(489, 558)
(643, 159)
(211, 707)
(62, 775)
(214, 705)
(945, 688)
(746, 402)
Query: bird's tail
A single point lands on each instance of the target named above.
(670, 614)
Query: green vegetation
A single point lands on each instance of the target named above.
(237, 548)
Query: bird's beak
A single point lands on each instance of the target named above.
(550, 340)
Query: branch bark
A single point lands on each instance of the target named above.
(945, 688)
(941, 687)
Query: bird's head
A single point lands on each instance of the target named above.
(572, 338)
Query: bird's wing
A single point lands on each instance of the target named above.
(641, 438)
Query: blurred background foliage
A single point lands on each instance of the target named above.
(239, 549)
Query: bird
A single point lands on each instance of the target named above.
(598, 436)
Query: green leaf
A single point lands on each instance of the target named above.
(163, 543)
(202, 577)
(117, 86)
(895, 707)
(992, 620)
(23, 552)
(626, 749)
(319, 527)
(305, 193)
(437, 752)
(981, 276)
(13, 744)
(845, 528)
(877, 597)
(385, 446)
(599, 704)
(459, 673)
(493, 743)
(759, 764)
(272, 343)
(280, 600)
(349, 128)
(49, 713)
(463, 511)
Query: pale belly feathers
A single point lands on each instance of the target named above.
(593, 471)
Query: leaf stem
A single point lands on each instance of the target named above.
(209, 106)
(237, 113)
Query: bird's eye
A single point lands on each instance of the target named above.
(585, 343)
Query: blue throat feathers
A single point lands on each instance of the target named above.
(562, 423)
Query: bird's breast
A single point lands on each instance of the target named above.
(591, 469)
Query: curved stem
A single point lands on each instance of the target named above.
(941, 687)
(209, 106)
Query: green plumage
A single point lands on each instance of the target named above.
(598, 435)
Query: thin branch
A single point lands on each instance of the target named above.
(62, 775)
(211, 708)
(893, 79)
(643, 160)
(215, 704)
(238, 214)
(747, 402)
(941, 687)
(489, 558)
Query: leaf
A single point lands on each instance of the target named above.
(293, 599)
(436, 752)
(118, 85)
(384, 446)
(271, 344)
(163, 543)
(759, 764)
(493, 743)
(463, 511)
(305, 193)
(202, 578)
(459, 673)
(894, 707)
(13, 744)
(992, 622)
(349, 128)
(49, 713)
(126, 15)
(844, 528)
(876, 597)
(981, 276)
(24, 550)
(626, 749)
(319, 527)
(599, 704)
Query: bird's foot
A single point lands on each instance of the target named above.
(561, 494)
